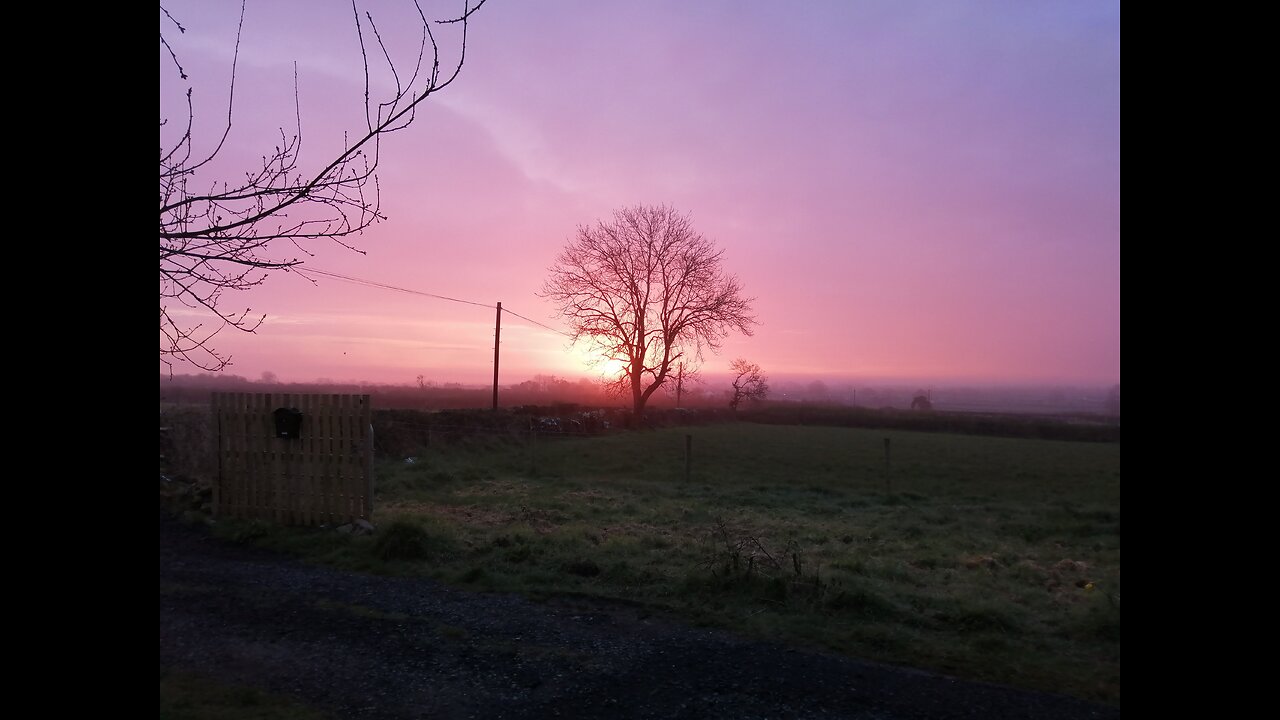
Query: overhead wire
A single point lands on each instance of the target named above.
(535, 322)
(373, 283)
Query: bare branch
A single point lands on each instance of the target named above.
(223, 236)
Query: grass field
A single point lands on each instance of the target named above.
(184, 696)
(986, 558)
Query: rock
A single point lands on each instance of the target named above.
(359, 527)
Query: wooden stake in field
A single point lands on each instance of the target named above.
(533, 451)
(887, 486)
(688, 457)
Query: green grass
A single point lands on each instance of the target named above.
(186, 696)
(987, 558)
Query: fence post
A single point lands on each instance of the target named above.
(217, 450)
(688, 457)
(368, 469)
(887, 486)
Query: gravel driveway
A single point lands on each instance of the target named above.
(363, 646)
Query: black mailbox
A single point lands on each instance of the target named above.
(288, 423)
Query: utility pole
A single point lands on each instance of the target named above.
(680, 389)
(497, 337)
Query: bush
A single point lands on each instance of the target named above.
(583, 568)
(404, 540)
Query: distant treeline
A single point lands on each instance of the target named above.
(708, 394)
(426, 395)
(549, 405)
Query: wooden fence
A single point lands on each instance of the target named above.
(324, 476)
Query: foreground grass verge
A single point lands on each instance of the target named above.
(986, 558)
(187, 696)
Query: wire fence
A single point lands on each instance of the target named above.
(399, 432)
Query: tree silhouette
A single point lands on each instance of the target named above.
(683, 378)
(222, 233)
(646, 290)
(749, 382)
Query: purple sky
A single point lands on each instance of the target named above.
(909, 190)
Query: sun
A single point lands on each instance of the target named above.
(589, 361)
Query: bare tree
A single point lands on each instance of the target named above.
(683, 378)
(219, 235)
(646, 291)
(749, 382)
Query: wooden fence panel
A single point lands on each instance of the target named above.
(322, 477)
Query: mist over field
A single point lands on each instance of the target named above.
(711, 392)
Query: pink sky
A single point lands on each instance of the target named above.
(908, 189)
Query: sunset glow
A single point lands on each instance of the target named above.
(909, 190)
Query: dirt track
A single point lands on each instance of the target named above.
(364, 646)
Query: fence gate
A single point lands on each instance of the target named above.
(309, 467)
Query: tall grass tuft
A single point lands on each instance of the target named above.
(407, 540)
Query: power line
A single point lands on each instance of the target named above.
(497, 327)
(372, 283)
(509, 311)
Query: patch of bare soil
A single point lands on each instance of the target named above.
(364, 646)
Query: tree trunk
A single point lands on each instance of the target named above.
(637, 395)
